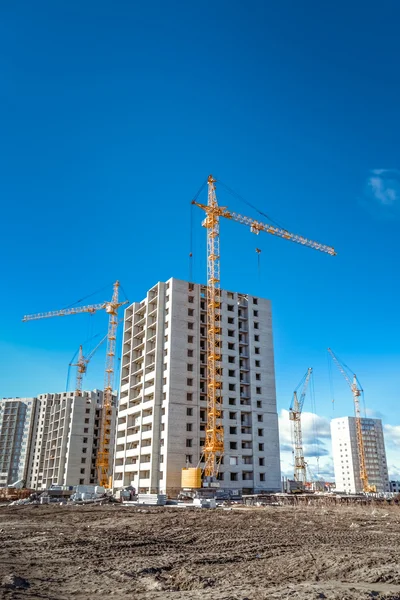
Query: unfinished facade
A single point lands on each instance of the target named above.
(17, 419)
(66, 439)
(162, 407)
(345, 455)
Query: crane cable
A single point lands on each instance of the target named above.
(90, 339)
(330, 376)
(314, 422)
(191, 228)
(88, 296)
(260, 212)
(191, 244)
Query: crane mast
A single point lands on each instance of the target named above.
(214, 442)
(103, 453)
(356, 390)
(300, 465)
(81, 365)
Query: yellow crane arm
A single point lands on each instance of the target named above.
(111, 307)
(214, 441)
(257, 226)
(67, 311)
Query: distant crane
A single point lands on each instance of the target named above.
(82, 363)
(214, 442)
(300, 465)
(357, 391)
(111, 307)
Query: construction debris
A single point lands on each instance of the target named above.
(152, 499)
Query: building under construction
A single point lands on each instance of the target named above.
(52, 439)
(162, 415)
(346, 455)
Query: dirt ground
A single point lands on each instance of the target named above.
(58, 552)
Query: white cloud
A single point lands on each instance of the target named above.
(382, 192)
(392, 436)
(316, 440)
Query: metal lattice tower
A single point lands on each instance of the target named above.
(214, 442)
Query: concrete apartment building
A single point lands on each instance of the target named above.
(17, 419)
(66, 438)
(345, 454)
(162, 408)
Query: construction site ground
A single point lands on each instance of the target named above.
(58, 552)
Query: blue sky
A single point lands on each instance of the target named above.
(115, 113)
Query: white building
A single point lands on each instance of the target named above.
(345, 454)
(17, 418)
(162, 408)
(66, 438)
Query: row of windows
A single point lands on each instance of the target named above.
(231, 386)
(231, 372)
(232, 414)
(232, 445)
(230, 308)
(232, 401)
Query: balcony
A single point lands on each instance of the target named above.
(137, 384)
(151, 337)
(148, 420)
(119, 468)
(134, 437)
(135, 402)
(140, 321)
(132, 453)
(247, 452)
(138, 343)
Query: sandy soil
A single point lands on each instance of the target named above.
(60, 552)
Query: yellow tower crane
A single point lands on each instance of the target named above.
(357, 391)
(83, 361)
(111, 307)
(300, 465)
(214, 442)
(82, 364)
